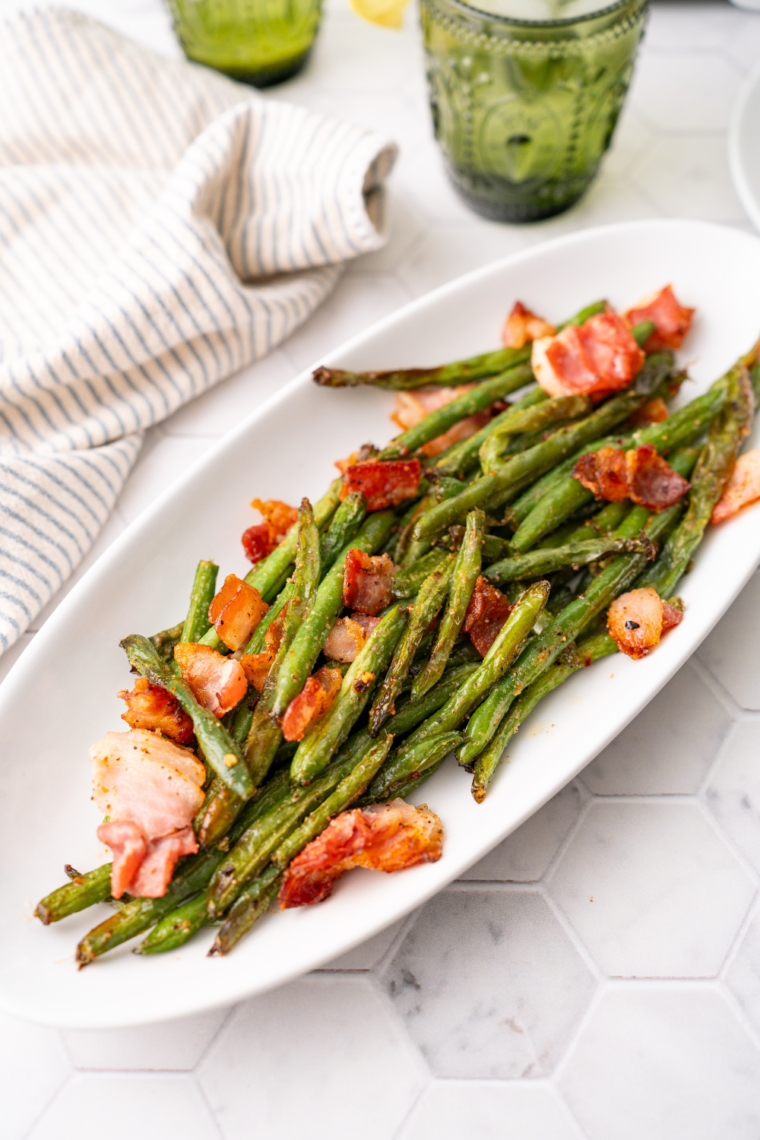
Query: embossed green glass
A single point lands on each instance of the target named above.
(524, 109)
(256, 41)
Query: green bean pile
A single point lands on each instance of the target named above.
(502, 504)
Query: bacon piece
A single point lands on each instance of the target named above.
(670, 318)
(345, 640)
(486, 614)
(655, 411)
(741, 489)
(366, 452)
(594, 358)
(412, 407)
(385, 484)
(150, 789)
(236, 611)
(155, 872)
(217, 683)
(128, 848)
(367, 581)
(260, 539)
(153, 707)
(639, 474)
(637, 620)
(312, 702)
(366, 621)
(383, 837)
(256, 666)
(521, 327)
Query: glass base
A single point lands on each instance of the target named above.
(262, 76)
(503, 201)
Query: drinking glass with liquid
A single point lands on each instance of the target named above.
(525, 95)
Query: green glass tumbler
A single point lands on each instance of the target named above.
(523, 110)
(256, 41)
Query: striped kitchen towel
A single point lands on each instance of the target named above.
(160, 228)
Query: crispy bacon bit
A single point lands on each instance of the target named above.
(385, 484)
(636, 621)
(150, 789)
(312, 702)
(261, 539)
(639, 474)
(153, 707)
(653, 412)
(521, 327)
(597, 357)
(236, 611)
(486, 614)
(367, 581)
(383, 837)
(741, 489)
(670, 319)
(256, 666)
(412, 407)
(218, 683)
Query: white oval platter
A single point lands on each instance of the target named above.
(61, 695)
(744, 145)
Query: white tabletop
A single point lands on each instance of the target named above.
(598, 975)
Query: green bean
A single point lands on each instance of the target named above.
(343, 526)
(458, 459)
(349, 789)
(253, 901)
(585, 653)
(494, 665)
(331, 730)
(545, 648)
(204, 587)
(176, 928)
(426, 605)
(302, 653)
(543, 415)
(536, 563)
(446, 375)
(518, 472)
(81, 892)
(219, 749)
(409, 761)
(464, 576)
(267, 573)
(407, 581)
(165, 640)
(265, 733)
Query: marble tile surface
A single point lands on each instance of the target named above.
(498, 1009)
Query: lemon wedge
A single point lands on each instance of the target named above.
(387, 13)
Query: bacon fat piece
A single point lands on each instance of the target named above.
(217, 683)
(486, 615)
(236, 611)
(261, 539)
(150, 790)
(383, 837)
(385, 483)
(741, 489)
(348, 636)
(639, 474)
(670, 318)
(637, 620)
(522, 326)
(314, 700)
(154, 708)
(367, 581)
(411, 407)
(594, 358)
(654, 411)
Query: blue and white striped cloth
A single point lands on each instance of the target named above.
(160, 228)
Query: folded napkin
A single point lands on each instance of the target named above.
(160, 228)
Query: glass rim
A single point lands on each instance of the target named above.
(566, 22)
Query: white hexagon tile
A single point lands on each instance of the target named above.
(597, 976)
